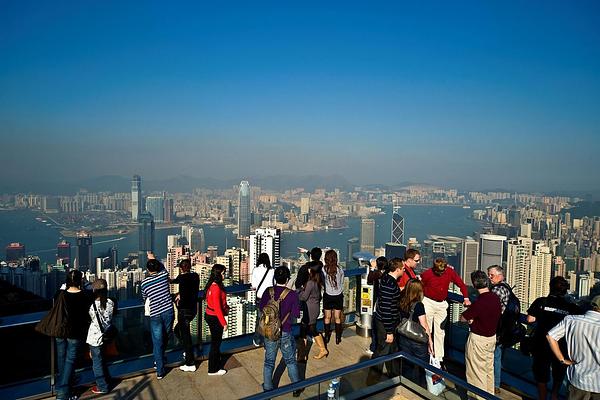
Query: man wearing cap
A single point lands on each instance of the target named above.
(582, 333)
(436, 282)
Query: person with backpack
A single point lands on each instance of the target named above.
(503, 291)
(262, 278)
(546, 313)
(101, 314)
(279, 306)
(216, 310)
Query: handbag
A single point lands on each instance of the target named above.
(56, 322)
(110, 333)
(411, 329)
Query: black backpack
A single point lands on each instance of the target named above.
(510, 330)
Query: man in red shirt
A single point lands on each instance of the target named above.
(436, 282)
(483, 317)
(412, 258)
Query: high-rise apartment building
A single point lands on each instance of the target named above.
(491, 249)
(305, 205)
(146, 237)
(136, 197)
(367, 235)
(540, 272)
(194, 237)
(264, 240)
(236, 257)
(397, 226)
(353, 246)
(174, 254)
(469, 258)
(155, 205)
(518, 266)
(244, 210)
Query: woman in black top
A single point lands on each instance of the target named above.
(186, 301)
(411, 300)
(77, 303)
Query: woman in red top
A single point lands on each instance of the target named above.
(216, 306)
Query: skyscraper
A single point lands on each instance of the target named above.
(491, 250)
(397, 227)
(84, 252)
(136, 197)
(394, 250)
(264, 240)
(469, 258)
(353, 246)
(244, 210)
(540, 272)
(518, 267)
(146, 237)
(63, 252)
(194, 237)
(367, 235)
(155, 205)
(305, 205)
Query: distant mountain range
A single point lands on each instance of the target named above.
(178, 184)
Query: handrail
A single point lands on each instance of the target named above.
(35, 317)
(367, 364)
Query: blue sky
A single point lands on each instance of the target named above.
(468, 94)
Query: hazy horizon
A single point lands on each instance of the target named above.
(467, 95)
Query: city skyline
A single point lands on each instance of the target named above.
(476, 95)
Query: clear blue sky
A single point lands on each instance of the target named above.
(468, 94)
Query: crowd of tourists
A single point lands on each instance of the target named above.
(409, 315)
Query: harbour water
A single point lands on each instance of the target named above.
(40, 238)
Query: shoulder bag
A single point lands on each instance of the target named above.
(411, 329)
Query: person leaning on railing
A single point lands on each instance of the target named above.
(547, 312)
(582, 333)
(77, 303)
(483, 316)
(436, 283)
(333, 299)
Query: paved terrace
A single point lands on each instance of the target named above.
(244, 377)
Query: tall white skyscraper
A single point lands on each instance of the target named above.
(244, 210)
(518, 266)
(194, 237)
(264, 240)
(469, 259)
(540, 272)
(491, 250)
(136, 197)
(305, 205)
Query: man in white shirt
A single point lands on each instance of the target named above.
(582, 333)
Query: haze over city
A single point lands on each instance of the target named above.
(471, 95)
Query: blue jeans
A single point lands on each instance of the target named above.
(161, 327)
(498, 365)
(417, 350)
(67, 351)
(99, 368)
(288, 350)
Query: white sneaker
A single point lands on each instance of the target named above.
(188, 368)
(218, 373)
(255, 343)
(368, 351)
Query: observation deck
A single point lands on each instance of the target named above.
(28, 361)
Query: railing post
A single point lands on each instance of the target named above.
(52, 367)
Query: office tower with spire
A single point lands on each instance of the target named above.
(397, 227)
(244, 210)
(146, 237)
(367, 235)
(136, 197)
